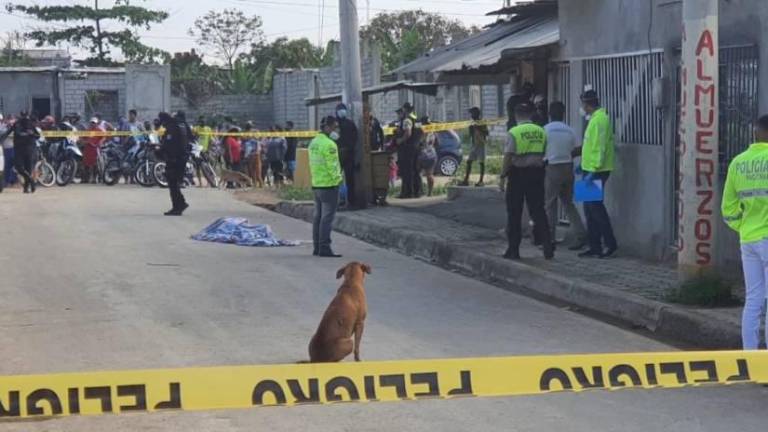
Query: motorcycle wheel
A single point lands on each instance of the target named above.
(159, 174)
(112, 173)
(66, 172)
(145, 174)
(46, 176)
(210, 174)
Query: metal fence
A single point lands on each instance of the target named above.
(625, 86)
(561, 87)
(738, 101)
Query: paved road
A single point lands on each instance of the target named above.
(95, 278)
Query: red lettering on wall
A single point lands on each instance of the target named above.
(704, 207)
(700, 121)
(702, 252)
(700, 71)
(706, 42)
(703, 230)
(700, 91)
(705, 170)
(702, 141)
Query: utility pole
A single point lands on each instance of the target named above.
(698, 195)
(352, 95)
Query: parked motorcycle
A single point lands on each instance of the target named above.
(64, 155)
(122, 160)
(44, 173)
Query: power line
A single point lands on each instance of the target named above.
(292, 3)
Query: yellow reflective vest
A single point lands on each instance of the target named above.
(529, 138)
(597, 153)
(324, 164)
(745, 197)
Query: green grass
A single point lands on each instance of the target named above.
(493, 166)
(708, 291)
(293, 193)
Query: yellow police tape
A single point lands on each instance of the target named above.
(248, 386)
(431, 127)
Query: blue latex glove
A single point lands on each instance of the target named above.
(589, 177)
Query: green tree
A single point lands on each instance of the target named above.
(191, 78)
(13, 51)
(405, 35)
(284, 53)
(83, 27)
(241, 79)
(228, 33)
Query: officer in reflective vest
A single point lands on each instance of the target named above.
(325, 171)
(745, 209)
(597, 159)
(524, 173)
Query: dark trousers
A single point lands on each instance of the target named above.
(599, 229)
(407, 168)
(326, 203)
(348, 166)
(416, 180)
(24, 162)
(526, 186)
(174, 174)
(10, 174)
(277, 171)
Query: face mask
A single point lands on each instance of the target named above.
(342, 113)
(334, 136)
(582, 112)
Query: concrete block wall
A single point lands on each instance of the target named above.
(289, 91)
(73, 90)
(256, 108)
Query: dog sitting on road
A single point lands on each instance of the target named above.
(234, 177)
(343, 319)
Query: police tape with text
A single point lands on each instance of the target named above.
(232, 387)
(432, 127)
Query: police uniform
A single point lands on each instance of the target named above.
(326, 177)
(745, 210)
(597, 161)
(525, 184)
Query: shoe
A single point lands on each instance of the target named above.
(578, 246)
(479, 184)
(184, 207)
(610, 252)
(328, 254)
(549, 256)
(464, 183)
(511, 255)
(591, 254)
(173, 212)
(33, 187)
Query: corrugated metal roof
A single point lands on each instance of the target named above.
(57, 69)
(421, 88)
(485, 48)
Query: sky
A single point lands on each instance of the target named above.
(288, 18)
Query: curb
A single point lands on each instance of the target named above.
(666, 320)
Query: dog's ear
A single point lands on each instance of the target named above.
(341, 272)
(366, 268)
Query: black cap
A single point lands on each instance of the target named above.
(407, 106)
(341, 106)
(328, 121)
(474, 110)
(589, 96)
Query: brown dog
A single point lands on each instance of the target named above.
(234, 177)
(344, 318)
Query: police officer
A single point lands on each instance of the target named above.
(597, 156)
(25, 136)
(326, 177)
(347, 144)
(175, 151)
(415, 143)
(524, 173)
(745, 209)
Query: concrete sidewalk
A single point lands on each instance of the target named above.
(624, 289)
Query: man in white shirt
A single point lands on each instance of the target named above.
(561, 140)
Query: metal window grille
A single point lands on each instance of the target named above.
(561, 87)
(738, 101)
(625, 87)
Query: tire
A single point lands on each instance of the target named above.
(159, 175)
(46, 176)
(112, 173)
(448, 166)
(66, 172)
(210, 174)
(144, 174)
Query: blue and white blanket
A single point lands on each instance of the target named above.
(240, 232)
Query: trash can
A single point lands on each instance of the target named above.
(380, 176)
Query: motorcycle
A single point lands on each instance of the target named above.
(123, 160)
(159, 171)
(64, 155)
(44, 173)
